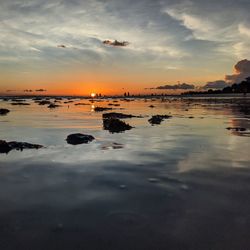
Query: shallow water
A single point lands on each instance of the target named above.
(184, 184)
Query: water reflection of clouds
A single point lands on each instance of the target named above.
(179, 143)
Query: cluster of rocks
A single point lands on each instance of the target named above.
(6, 147)
(157, 119)
(112, 122)
(114, 125)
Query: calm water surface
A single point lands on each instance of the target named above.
(184, 184)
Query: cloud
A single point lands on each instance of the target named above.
(28, 90)
(116, 43)
(219, 84)
(182, 86)
(40, 90)
(242, 71)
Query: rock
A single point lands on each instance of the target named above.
(100, 109)
(237, 129)
(114, 125)
(77, 104)
(75, 139)
(117, 115)
(151, 106)
(113, 104)
(157, 119)
(20, 103)
(52, 106)
(44, 102)
(6, 147)
(4, 111)
(23, 145)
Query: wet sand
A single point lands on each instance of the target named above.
(184, 184)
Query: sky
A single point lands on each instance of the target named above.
(57, 45)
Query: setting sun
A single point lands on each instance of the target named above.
(93, 94)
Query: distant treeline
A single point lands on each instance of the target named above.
(243, 87)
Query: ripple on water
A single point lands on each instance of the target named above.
(127, 220)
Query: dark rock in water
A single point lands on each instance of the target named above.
(117, 115)
(20, 103)
(151, 106)
(115, 105)
(78, 138)
(237, 129)
(4, 111)
(157, 119)
(37, 99)
(78, 104)
(44, 102)
(100, 109)
(23, 145)
(114, 125)
(52, 106)
(6, 147)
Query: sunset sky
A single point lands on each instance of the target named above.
(57, 45)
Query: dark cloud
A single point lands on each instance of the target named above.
(242, 69)
(41, 90)
(177, 86)
(219, 84)
(116, 43)
(28, 90)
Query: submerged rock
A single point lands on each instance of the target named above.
(117, 115)
(114, 125)
(4, 111)
(100, 109)
(75, 139)
(157, 119)
(6, 147)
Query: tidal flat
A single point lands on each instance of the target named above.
(183, 183)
